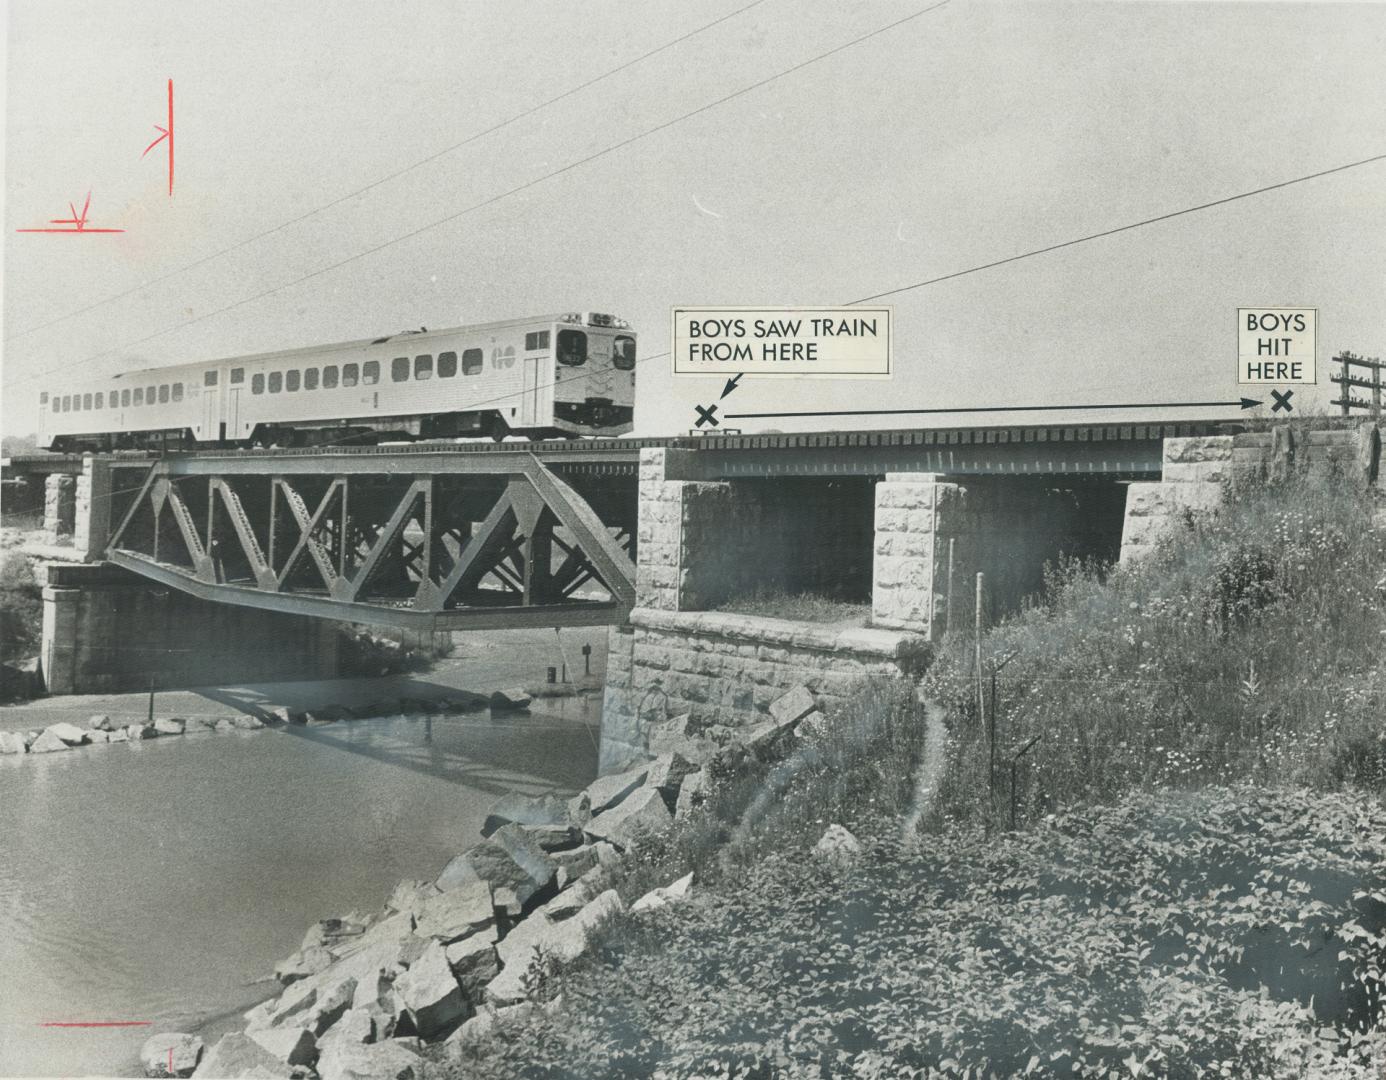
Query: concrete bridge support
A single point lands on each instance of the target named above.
(106, 630)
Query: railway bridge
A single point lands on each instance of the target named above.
(662, 539)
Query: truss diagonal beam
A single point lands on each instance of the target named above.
(609, 559)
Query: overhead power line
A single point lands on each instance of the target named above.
(388, 177)
(1122, 228)
(492, 200)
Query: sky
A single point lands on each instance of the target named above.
(970, 133)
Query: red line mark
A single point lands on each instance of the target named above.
(77, 221)
(95, 1023)
(167, 134)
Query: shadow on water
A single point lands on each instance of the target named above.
(476, 753)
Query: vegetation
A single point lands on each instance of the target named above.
(776, 603)
(21, 608)
(1231, 933)
(1249, 647)
(1195, 886)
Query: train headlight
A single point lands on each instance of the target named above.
(571, 317)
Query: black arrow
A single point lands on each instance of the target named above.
(731, 385)
(1245, 403)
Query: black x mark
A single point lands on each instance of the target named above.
(705, 415)
(1282, 401)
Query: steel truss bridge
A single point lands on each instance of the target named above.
(474, 536)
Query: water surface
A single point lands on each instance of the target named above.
(162, 880)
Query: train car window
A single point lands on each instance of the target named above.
(209, 378)
(115, 399)
(237, 375)
(349, 374)
(163, 394)
(67, 402)
(310, 378)
(99, 400)
(43, 397)
(149, 395)
(471, 361)
(276, 381)
(291, 380)
(139, 396)
(329, 377)
(399, 368)
(423, 367)
(536, 340)
(623, 352)
(125, 399)
(57, 403)
(447, 365)
(86, 402)
(370, 372)
(572, 347)
(503, 358)
(257, 384)
(177, 391)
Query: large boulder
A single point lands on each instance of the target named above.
(474, 963)
(47, 743)
(303, 963)
(518, 809)
(677, 736)
(284, 715)
(565, 941)
(408, 895)
(102, 723)
(516, 868)
(389, 1060)
(293, 1046)
(573, 864)
(357, 1025)
(12, 742)
(837, 846)
(513, 699)
(136, 732)
(554, 838)
(667, 772)
(237, 1055)
(197, 723)
(457, 913)
(793, 706)
(336, 933)
(120, 734)
(224, 725)
(315, 1003)
(171, 1053)
(69, 733)
(169, 725)
(693, 793)
(246, 722)
(430, 992)
(95, 738)
(606, 792)
(641, 814)
(658, 898)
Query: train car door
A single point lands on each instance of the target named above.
(530, 413)
(212, 425)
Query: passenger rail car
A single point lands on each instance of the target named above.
(550, 376)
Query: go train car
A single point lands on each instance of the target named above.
(551, 376)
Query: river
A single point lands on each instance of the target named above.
(161, 881)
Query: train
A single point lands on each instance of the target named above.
(551, 376)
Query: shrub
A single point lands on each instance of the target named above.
(1231, 932)
(21, 608)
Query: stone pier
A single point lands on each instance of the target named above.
(107, 630)
(59, 507)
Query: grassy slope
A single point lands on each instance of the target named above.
(1155, 912)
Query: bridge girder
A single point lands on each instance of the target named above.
(450, 543)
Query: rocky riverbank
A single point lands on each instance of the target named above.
(449, 961)
(102, 729)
